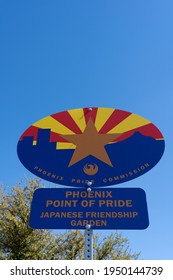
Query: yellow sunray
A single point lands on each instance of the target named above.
(61, 146)
(54, 125)
(102, 116)
(79, 118)
(131, 122)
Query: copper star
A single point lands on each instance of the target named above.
(90, 142)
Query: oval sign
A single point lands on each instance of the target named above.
(100, 145)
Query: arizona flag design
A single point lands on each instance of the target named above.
(102, 145)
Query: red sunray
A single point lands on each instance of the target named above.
(90, 114)
(116, 117)
(66, 119)
(54, 137)
(150, 130)
(146, 130)
(31, 131)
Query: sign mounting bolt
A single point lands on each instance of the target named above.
(87, 226)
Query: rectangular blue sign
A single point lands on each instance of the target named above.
(101, 208)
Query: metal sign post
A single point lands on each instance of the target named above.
(88, 253)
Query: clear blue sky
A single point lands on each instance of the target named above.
(59, 55)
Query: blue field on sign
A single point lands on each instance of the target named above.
(130, 158)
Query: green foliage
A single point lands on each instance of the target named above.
(113, 247)
(19, 242)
